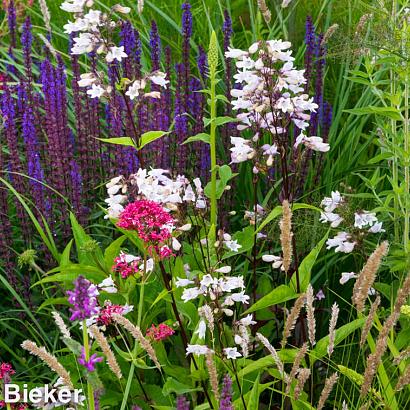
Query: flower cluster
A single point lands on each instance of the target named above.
(153, 185)
(104, 317)
(271, 97)
(93, 30)
(83, 299)
(364, 222)
(127, 265)
(153, 224)
(6, 370)
(160, 332)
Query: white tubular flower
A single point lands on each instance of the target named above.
(201, 331)
(235, 53)
(82, 44)
(364, 218)
(96, 91)
(332, 202)
(223, 269)
(176, 245)
(377, 228)
(159, 78)
(332, 218)
(190, 294)
(181, 283)
(115, 53)
(232, 353)
(108, 285)
(185, 228)
(233, 246)
(73, 6)
(198, 350)
(341, 243)
(346, 276)
(86, 80)
(118, 8)
(248, 320)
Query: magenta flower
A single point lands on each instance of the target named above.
(91, 362)
(182, 403)
(161, 332)
(83, 298)
(127, 265)
(6, 370)
(150, 220)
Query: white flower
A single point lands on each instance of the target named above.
(86, 80)
(241, 151)
(377, 228)
(285, 3)
(314, 143)
(73, 6)
(82, 44)
(176, 245)
(341, 243)
(236, 297)
(332, 202)
(253, 48)
(185, 228)
(201, 331)
(181, 283)
(197, 349)
(277, 260)
(190, 294)
(108, 285)
(116, 53)
(346, 276)
(121, 9)
(134, 89)
(233, 246)
(331, 217)
(235, 53)
(364, 218)
(78, 25)
(223, 269)
(231, 353)
(248, 320)
(93, 17)
(159, 79)
(149, 267)
(96, 91)
(269, 149)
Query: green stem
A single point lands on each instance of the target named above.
(134, 352)
(406, 167)
(212, 140)
(91, 404)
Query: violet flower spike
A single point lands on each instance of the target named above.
(83, 298)
(226, 394)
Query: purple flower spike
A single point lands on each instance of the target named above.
(91, 362)
(226, 394)
(182, 403)
(11, 20)
(83, 298)
(155, 46)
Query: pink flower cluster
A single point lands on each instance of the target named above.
(6, 369)
(105, 315)
(126, 265)
(149, 219)
(161, 332)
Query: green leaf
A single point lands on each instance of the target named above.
(389, 112)
(344, 331)
(125, 141)
(245, 239)
(253, 399)
(71, 272)
(202, 136)
(220, 120)
(53, 301)
(150, 136)
(281, 294)
(174, 386)
(305, 267)
(381, 157)
(73, 345)
(225, 175)
(277, 211)
(112, 251)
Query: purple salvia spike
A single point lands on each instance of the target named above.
(182, 403)
(26, 41)
(12, 23)
(186, 48)
(310, 41)
(15, 166)
(129, 42)
(155, 46)
(226, 394)
(83, 299)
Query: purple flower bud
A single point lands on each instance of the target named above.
(83, 298)
(11, 20)
(155, 46)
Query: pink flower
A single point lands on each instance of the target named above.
(165, 252)
(150, 220)
(161, 332)
(105, 315)
(6, 370)
(126, 265)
